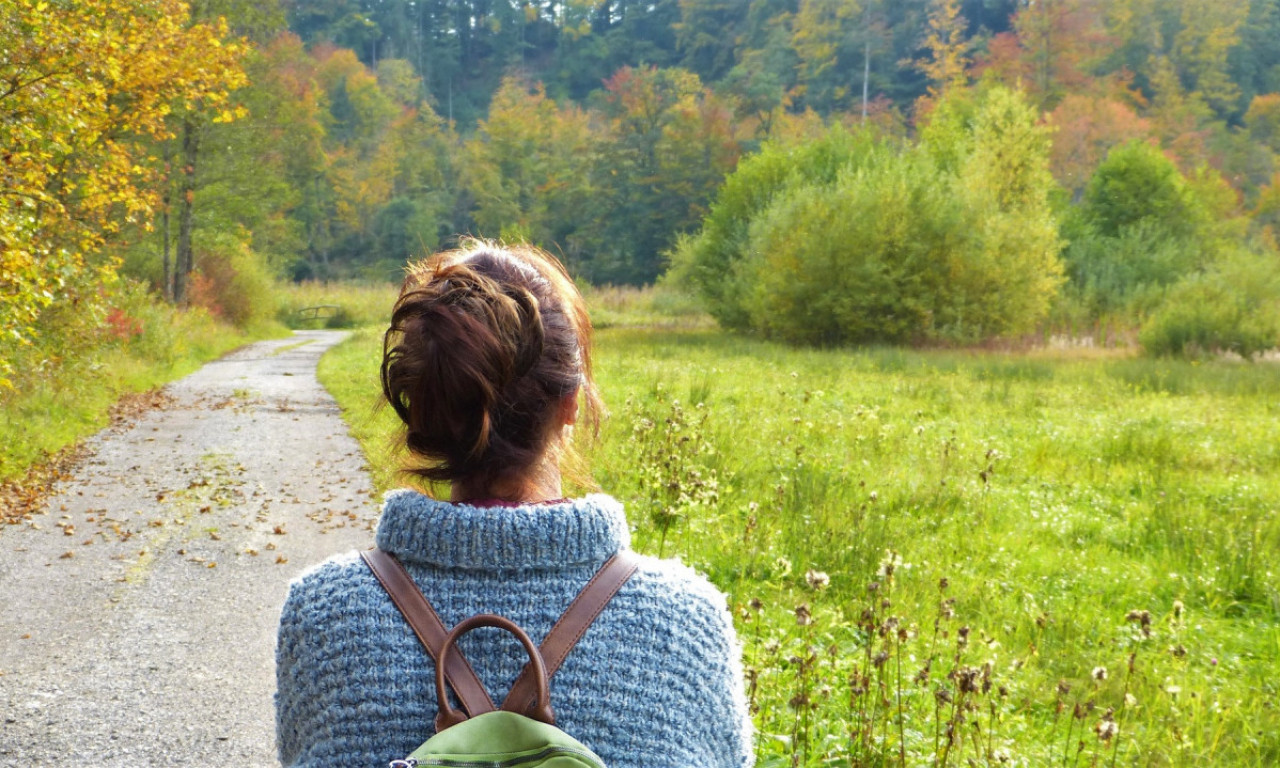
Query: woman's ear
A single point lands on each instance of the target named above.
(569, 409)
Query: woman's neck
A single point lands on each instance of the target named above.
(541, 485)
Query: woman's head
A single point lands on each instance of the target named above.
(486, 360)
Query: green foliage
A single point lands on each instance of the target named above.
(852, 239)
(1234, 307)
(232, 284)
(1137, 184)
(710, 261)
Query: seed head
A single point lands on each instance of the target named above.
(817, 579)
(803, 617)
(1099, 673)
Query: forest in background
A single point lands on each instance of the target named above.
(967, 170)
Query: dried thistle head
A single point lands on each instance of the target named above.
(1099, 674)
(803, 617)
(922, 677)
(817, 580)
(1106, 728)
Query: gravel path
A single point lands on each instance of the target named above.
(137, 623)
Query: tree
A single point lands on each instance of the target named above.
(87, 85)
(1208, 32)
(1085, 130)
(1061, 42)
(192, 120)
(643, 195)
(1263, 120)
(947, 63)
(851, 238)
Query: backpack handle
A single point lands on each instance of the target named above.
(541, 710)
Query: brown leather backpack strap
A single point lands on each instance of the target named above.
(430, 630)
(572, 625)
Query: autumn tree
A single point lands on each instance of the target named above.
(87, 86)
(947, 62)
(644, 193)
(526, 167)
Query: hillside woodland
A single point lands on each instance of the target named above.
(821, 171)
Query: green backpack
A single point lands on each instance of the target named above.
(522, 734)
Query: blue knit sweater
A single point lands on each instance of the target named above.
(655, 681)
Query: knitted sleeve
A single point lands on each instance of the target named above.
(729, 745)
(287, 685)
(343, 695)
(698, 686)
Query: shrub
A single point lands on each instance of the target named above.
(1234, 307)
(856, 240)
(231, 283)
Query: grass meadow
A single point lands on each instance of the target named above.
(953, 558)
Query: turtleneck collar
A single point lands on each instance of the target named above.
(417, 528)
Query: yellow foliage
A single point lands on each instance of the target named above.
(84, 84)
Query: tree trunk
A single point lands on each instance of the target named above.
(166, 197)
(866, 76)
(186, 199)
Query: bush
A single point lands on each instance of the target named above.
(231, 283)
(857, 240)
(709, 261)
(1233, 308)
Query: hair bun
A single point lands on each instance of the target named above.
(480, 351)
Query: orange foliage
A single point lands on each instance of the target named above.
(1086, 128)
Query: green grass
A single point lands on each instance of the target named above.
(346, 304)
(1055, 494)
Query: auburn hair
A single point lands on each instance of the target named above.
(485, 343)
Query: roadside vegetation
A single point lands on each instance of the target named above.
(63, 384)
